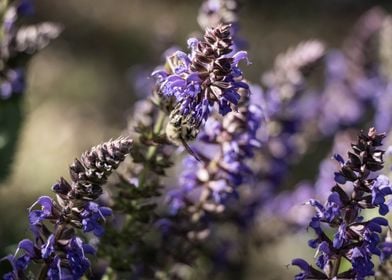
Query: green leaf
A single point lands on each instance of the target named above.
(10, 125)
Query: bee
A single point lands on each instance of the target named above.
(181, 129)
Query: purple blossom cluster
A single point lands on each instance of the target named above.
(354, 85)
(190, 84)
(352, 78)
(355, 239)
(208, 184)
(56, 244)
(18, 43)
(285, 86)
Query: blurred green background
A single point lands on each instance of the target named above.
(79, 88)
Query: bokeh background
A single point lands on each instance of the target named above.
(80, 88)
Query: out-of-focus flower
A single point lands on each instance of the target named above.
(212, 13)
(361, 66)
(18, 43)
(287, 78)
(215, 12)
(384, 270)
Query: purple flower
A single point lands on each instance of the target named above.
(323, 261)
(361, 262)
(331, 209)
(340, 237)
(307, 271)
(381, 188)
(37, 216)
(92, 216)
(304, 266)
(12, 83)
(208, 75)
(56, 271)
(76, 255)
(48, 248)
(386, 248)
(226, 145)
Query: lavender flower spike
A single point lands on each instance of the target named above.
(214, 12)
(192, 83)
(20, 43)
(54, 225)
(288, 75)
(355, 239)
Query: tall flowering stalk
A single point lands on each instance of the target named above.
(209, 187)
(355, 239)
(135, 195)
(275, 143)
(211, 178)
(187, 88)
(18, 43)
(352, 81)
(353, 78)
(55, 224)
(210, 183)
(383, 103)
(286, 85)
(362, 62)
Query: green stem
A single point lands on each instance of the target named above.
(336, 266)
(43, 272)
(152, 150)
(158, 129)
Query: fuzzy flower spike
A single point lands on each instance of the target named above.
(18, 43)
(355, 239)
(191, 84)
(54, 224)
